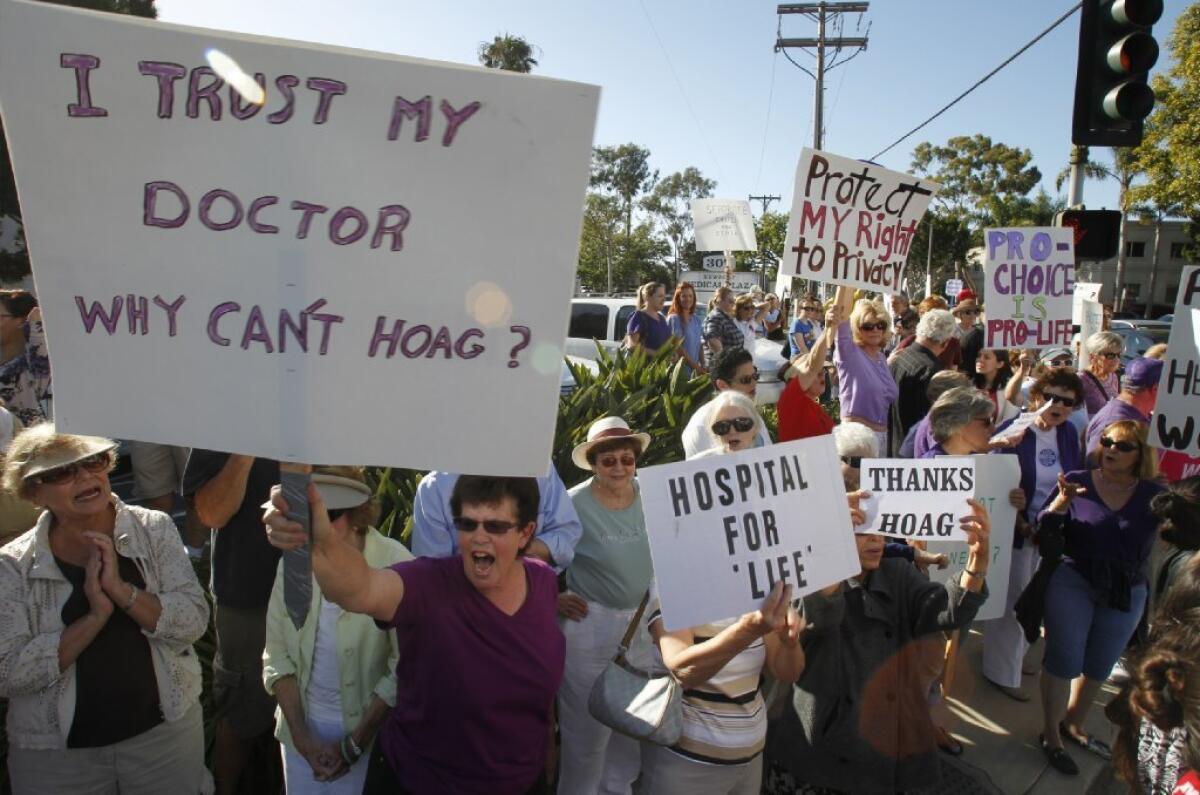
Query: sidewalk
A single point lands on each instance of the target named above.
(1001, 736)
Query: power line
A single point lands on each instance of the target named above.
(766, 124)
(981, 81)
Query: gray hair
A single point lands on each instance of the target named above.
(936, 325)
(945, 380)
(728, 398)
(855, 440)
(1101, 341)
(955, 408)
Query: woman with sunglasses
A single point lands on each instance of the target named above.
(866, 387)
(1102, 521)
(101, 607)
(720, 665)
(1100, 383)
(1047, 449)
(334, 676)
(606, 582)
(685, 324)
(806, 328)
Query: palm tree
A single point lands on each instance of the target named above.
(508, 52)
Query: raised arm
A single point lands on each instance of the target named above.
(219, 498)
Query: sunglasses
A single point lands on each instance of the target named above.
(93, 463)
(812, 309)
(493, 527)
(747, 380)
(1124, 447)
(1059, 362)
(971, 312)
(852, 461)
(739, 424)
(989, 420)
(1109, 355)
(609, 461)
(880, 326)
(1061, 400)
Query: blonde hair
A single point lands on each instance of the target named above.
(645, 291)
(35, 442)
(866, 310)
(1147, 465)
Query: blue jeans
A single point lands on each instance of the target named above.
(1083, 634)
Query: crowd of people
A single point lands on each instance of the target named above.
(468, 660)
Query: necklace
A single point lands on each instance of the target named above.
(1120, 486)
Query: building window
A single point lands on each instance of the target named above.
(1132, 290)
(1135, 248)
(1177, 250)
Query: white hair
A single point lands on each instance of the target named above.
(936, 325)
(1101, 341)
(728, 398)
(855, 440)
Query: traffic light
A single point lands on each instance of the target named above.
(1116, 52)
(1097, 232)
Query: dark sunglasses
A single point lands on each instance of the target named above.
(852, 461)
(1060, 362)
(739, 424)
(969, 312)
(1124, 447)
(812, 309)
(93, 463)
(747, 380)
(1062, 401)
(880, 326)
(608, 461)
(494, 527)
(336, 513)
(1109, 355)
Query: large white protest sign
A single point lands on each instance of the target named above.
(917, 499)
(723, 225)
(995, 477)
(1088, 314)
(852, 222)
(1177, 410)
(1017, 427)
(1030, 274)
(724, 529)
(374, 266)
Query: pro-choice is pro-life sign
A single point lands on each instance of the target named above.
(352, 257)
(1030, 273)
(724, 529)
(852, 222)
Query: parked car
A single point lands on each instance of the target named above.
(1139, 336)
(567, 383)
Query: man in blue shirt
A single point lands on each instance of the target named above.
(1135, 401)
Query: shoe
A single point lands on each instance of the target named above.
(1120, 674)
(946, 743)
(1087, 742)
(1015, 693)
(1059, 759)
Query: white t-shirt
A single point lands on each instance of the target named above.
(324, 692)
(1049, 465)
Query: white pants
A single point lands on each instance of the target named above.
(594, 758)
(298, 775)
(1004, 643)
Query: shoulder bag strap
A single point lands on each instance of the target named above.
(632, 628)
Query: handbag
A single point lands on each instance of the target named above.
(634, 703)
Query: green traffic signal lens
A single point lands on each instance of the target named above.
(1130, 101)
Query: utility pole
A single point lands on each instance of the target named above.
(823, 14)
(765, 201)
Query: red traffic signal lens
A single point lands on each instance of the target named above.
(1136, 12)
(1135, 53)
(1130, 101)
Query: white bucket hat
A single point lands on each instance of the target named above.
(605, 430)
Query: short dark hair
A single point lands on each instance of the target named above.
(19, 303)
(1063, 379)
(727, 362)
(483, 490)
(1178, 512)
(612, 446)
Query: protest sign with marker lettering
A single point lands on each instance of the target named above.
(995, 477)
(917, 499)
(852, 222)
(1030, 275)
(333, 270)
(1088, 313)
(724, 529)
(1174, 425)
(723, 225)
(1018, 426)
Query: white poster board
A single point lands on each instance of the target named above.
(1088, 313)
(1176, 421)
(917, 499)
(724, 528)
(1030, 275)
(373, 267)
(953, 287)
(707, 282)
(996, 476)
(723, 225)
(852, 222)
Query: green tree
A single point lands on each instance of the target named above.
(609, 261)
(770, 231)
(668, 203)
(14, 265)
(624, 171)
(508, 52)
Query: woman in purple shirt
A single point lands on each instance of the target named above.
(481, 654)
(1100, 378)
(1101, 520)
(865, 384)
(648, 328)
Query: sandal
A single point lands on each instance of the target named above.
(1059, 759)
(1087, 742)
(946, 743)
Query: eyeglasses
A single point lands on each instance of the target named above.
(1109, 355)
(1060, 362)
(971, 312)
(988, 421)
(493, 527)
(880, 326)
(93, 463)
(609, 461)
(812, 309)
(852, 461)
(336, 513)
(747, 380)
(739, 424)
(1124, 447)
(1061, 400)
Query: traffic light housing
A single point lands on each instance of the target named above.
(1116, 53)
(1097, 232)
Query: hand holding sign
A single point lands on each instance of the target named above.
(978, 528)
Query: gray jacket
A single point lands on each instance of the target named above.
(858, 720)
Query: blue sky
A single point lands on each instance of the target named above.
(697, 81)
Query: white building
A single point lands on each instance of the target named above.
(1149, 275)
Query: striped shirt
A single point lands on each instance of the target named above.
(724, 719)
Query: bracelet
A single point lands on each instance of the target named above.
(350, 754)
(970, 573)
(133, 595)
